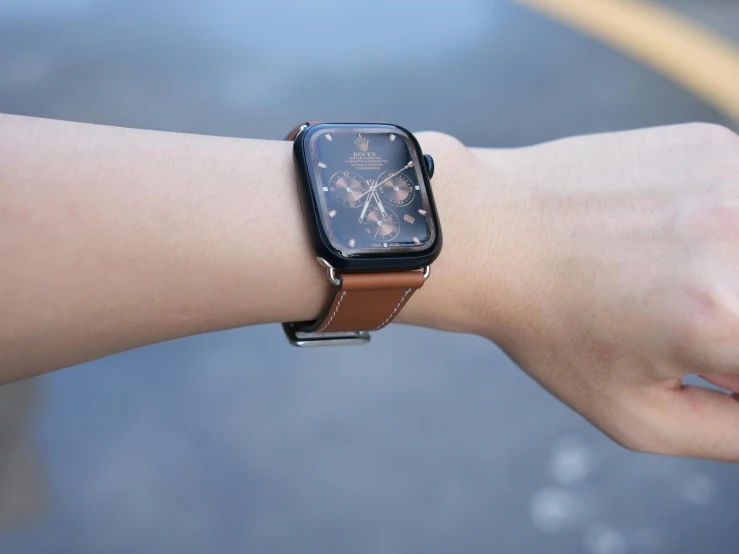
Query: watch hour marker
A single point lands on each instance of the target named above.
(328, 137)
(411, 164)
(415, 239)
(392, 137)
(422, 212)
(332, 213)
(325, 189)
(418, 188)
(322, 165)
(352, 242)
(384, 244)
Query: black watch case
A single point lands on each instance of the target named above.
(334, 192)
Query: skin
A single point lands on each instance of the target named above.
(606, 266)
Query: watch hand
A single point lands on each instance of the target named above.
(366, 203)
(370, 190)
(409, 164)
(366, 193)
(376, 185)
(379, 204)
(379, 226)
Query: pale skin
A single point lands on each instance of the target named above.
(606, 266)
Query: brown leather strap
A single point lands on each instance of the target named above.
(367, 301)
(364, 301)
(294, 133)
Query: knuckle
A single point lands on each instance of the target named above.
(709, 324)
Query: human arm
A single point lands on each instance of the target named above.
(115, 238)
(605, 266)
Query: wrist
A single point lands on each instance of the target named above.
(466, 290)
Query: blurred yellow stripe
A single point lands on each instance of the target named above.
(690, 54)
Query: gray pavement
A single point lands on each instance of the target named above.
(421, 442)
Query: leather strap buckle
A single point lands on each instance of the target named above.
(300, 338)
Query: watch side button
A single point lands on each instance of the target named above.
(429, 165)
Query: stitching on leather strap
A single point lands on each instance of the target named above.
(402, 299)
(333, 315)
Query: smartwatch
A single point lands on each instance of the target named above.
(366, 196)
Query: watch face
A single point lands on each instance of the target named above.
(370, 190)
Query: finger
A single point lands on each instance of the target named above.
(728, 382)
(693, 422)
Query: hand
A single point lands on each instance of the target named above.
(607, 267)
(612, 273)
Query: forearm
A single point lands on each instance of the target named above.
(115, 238)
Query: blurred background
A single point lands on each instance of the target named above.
(237, 442)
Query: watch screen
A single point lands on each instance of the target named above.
(370, 189)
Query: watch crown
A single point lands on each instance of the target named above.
(429, 164)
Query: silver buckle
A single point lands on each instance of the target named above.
(301, 338)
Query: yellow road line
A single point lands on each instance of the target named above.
(685, 51)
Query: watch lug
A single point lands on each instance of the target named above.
(333, 275)
(324, 263)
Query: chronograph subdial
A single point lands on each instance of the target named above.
(398, 191)
(382, 228)
(348, 188)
